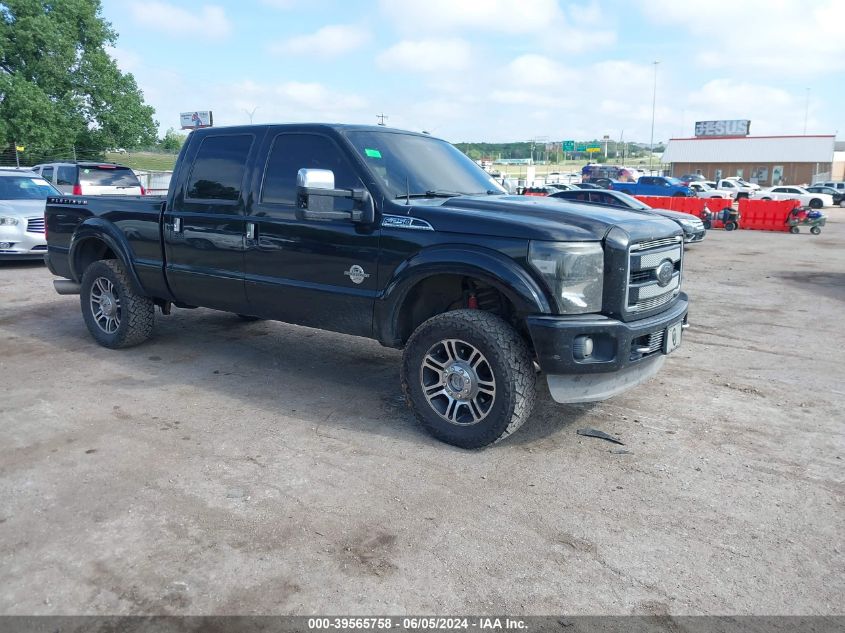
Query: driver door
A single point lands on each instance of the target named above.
(319, 273)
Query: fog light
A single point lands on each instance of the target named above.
(5, 245)
(582, 347)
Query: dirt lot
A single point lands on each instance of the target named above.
(229, 467)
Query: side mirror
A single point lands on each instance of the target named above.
(316, 193)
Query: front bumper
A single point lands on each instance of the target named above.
(617, 362)
(691, 236)
(24, 244)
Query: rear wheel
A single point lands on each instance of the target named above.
(794, 230)
(730, 225)
(816, 203)
(469, 378)
(116, 316)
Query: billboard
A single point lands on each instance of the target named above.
(734, 127)
(196, 119)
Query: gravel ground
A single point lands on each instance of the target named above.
(244, 468)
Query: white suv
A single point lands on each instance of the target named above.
(91, 179)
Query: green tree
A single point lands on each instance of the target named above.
(59, 87)
(172, 141)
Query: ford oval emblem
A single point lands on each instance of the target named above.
(665, 272)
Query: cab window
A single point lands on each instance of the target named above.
(292, 152)
(219, 167)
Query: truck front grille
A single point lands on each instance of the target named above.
(644, 290)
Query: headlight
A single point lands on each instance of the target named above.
(8, 221)
(574, 271)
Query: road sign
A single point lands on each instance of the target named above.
(568, 146)
(593, 150)
(581, 147)
(594, 146)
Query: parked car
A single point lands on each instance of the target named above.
(703, 189)
(91, 179)
(654, 186)
(692, 226)
(394, 236)
(807, 199)
(839, 185)
(688, 179)
(837, 195)
(23, 195)
(587, 185)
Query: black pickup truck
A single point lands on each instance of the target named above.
(394, 236)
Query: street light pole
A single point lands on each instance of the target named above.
(653, 104)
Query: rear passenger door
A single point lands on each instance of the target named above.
(204, 225)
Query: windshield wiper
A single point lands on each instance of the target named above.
(431, 194)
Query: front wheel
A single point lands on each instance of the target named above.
(115, 315)
(469, 378)
(730, 226)
(815, 230)
(815, 203)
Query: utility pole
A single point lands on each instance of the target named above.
(806, 110)
(382, 118)
(653, 105)
(251, 113)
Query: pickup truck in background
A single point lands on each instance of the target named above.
(704, 190)
(736, 187)
(394, 236)
(654, 186)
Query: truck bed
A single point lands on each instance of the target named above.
(137, 218)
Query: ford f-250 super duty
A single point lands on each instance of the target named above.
(394, 236)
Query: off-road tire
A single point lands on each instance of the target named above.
(794, 230)
(730, 225)
(510, 362)
(137, 313)
(815, 230)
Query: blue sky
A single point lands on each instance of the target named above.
(494, 70)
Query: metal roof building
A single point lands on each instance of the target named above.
(766, 160)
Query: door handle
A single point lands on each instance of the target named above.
(250, 231)
(177, 225)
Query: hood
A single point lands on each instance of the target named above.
(536, 218)
(673, 215)
(22, 208)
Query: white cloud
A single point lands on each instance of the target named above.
(128, 61)
(538, 70)
(279, 4)
(503, 16)
(776, 38)
(206, 20)
(576, 28)
(427, 56)
(330, 41)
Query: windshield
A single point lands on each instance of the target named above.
(632, 202)
(108, 176)
(26, 188)
(405, 163)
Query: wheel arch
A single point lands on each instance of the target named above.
(523, 293)
(96, 239)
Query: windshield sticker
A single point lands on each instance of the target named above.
(372, 153)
